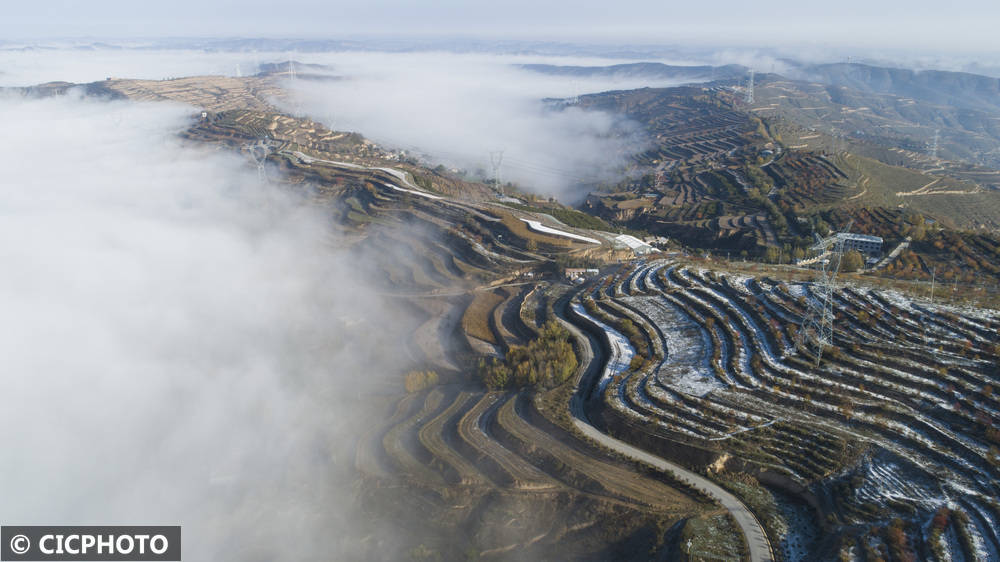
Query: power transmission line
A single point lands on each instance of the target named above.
(496, 160)
(816, 329)
(259, 152)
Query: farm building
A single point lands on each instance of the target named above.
(637, 246)
(863, 243)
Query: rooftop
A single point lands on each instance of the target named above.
(864, 237)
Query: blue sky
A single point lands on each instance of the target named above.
(930, 26)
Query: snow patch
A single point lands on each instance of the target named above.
(413, 191)
(539, 227)
(686, 366)
(621, 350)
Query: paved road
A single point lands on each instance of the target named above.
(760, 548)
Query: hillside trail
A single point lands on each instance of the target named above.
(592, 360)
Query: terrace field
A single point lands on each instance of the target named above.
(896, 423)
(696, 367)
(659, 409)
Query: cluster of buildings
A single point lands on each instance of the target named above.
(579, 274)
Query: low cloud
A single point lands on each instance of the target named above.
(456, 109)
(180, 344)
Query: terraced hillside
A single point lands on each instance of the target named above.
(707, 209)
(496, 474)
(895, 121)
(259, 92)
(213, 93)
(658, 373)
(899, 151)
(898, 422)
(474, 455)
(808, 180)
(705, 181)
(758, 180)
(957, 203)
(961, 264)
(505, 473)
(685, 123)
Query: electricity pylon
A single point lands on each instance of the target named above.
(291, 85)
(259, 152)
(750, 88)
(816, 330)
(496, 159)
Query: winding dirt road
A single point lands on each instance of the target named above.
(760, 547)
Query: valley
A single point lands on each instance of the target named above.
(629, 374)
